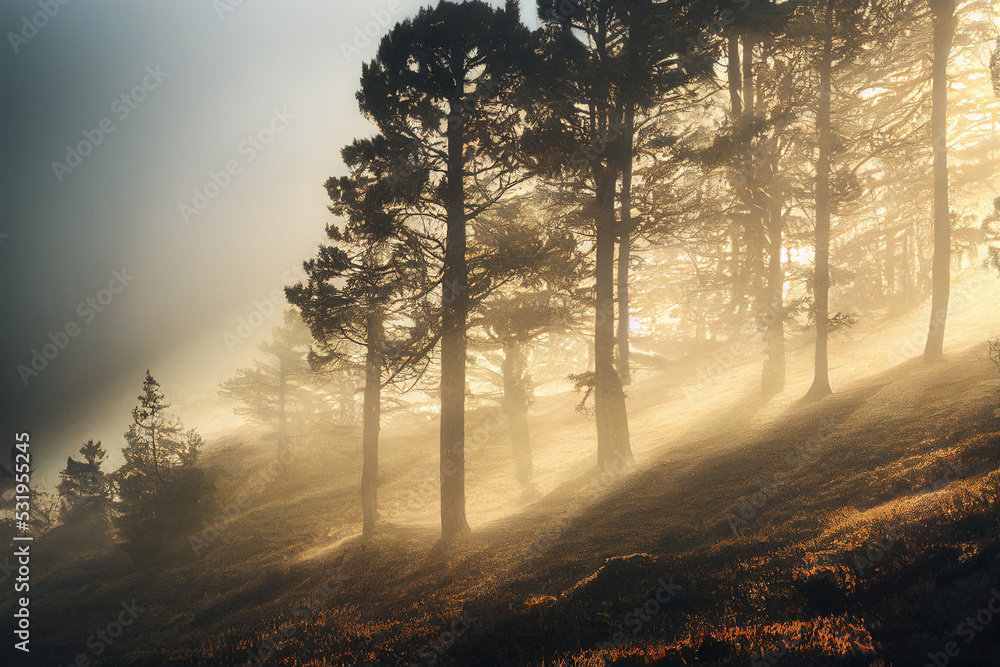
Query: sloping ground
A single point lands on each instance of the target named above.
(857, 529)
(864, 527)
(802, 560)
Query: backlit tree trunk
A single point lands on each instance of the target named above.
(821, 281)
(613, 449)
(773, 376)
(371, 424)
(625, 247)
(944, 27)
(454, 297)
(282, 405)
(515, 403)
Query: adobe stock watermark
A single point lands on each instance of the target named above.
(750, 507)
(248, 150)
(430, 651)
(256, 486)
(306, 608)
(122, 106)
(31, 25)
(714, 28)
(636, 619)
(546, 536)
(372, 31)
(88, 311)
(782, 646)
(223, 7)
(262, 311)
(968, 630)
(106, 636)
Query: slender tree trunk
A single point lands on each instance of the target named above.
(733, 72)
(773, 377)
(748, 283)
(821, 281)
(455, 295)
(737, 265)
(371, 424)
(738, 271)
(944, 25)
(774, 373)
(625, 246)
(748, 84)
(757, 211)
(613, 449)
(515, 403)
(906, 282)
(282, 417)
(890, 263)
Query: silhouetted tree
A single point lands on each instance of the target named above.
(605, 60)
(524, 277)
(943, 17)
(84, 489)
(363, 285)
(446, 81)
(160, 492)
(275, 391)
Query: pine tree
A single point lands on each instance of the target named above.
(446, 81)
(524, 275)
(605, 60)
(84, 489)
(372, 276)
(160, 492)
(943, 19)
(274, 393)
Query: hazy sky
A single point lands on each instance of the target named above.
(153, 98)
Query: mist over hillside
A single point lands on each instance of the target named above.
(590, 332)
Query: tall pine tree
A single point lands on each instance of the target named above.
(446, 81)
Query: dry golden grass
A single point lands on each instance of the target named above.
(877, 541)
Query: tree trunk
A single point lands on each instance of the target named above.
(625, 246)
(757, 210)
(748, 288)
(773, 376)
(748, 84)
(737, 270)
(821, 281)
(733, 72)
(906, 283)
(613, 449)
(944, 26)
(515, 404)
(890, 264)
(371, 424)
(735, 77)
(454, 297)
(282, 416)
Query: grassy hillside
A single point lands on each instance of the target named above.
(860, 530)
